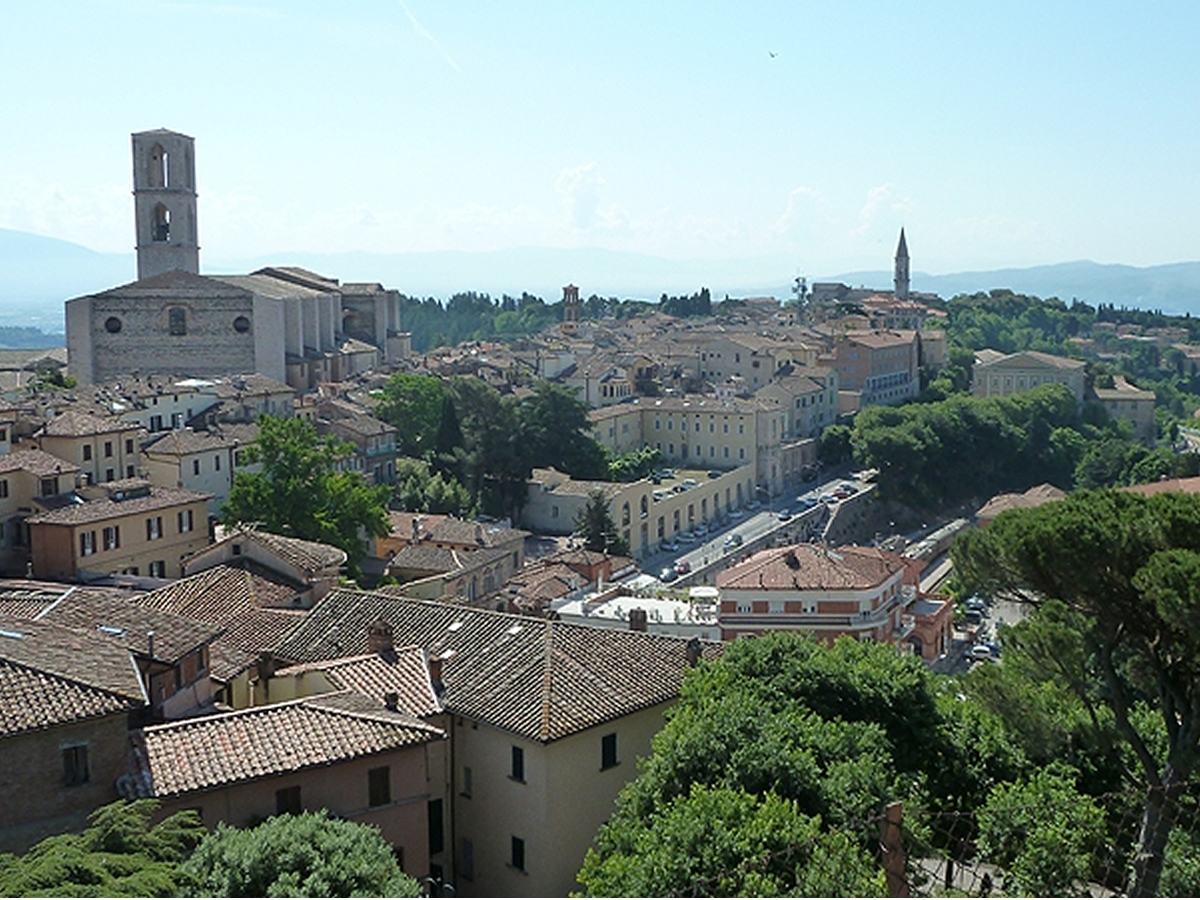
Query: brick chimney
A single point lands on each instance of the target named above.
(693, 652)
(637, 620)
(379, 637)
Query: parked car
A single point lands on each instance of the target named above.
(783, 515)
(807, 502)
(682, 566)
(736, 514)
(979, 651)
(827, 498)
(715, 473)
(685, 537)
(701, 530)
(753, 504)
(669, 546)
(668, 574)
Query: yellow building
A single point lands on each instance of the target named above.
(998, 375)
(127, 526)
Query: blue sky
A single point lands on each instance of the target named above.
(998, 134)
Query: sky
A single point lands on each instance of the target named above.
(800, 133)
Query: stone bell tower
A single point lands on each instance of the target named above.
(164, 203)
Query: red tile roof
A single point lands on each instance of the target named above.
(812, 567)
(232, 748)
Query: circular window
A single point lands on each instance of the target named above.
(112, 324)
(241, 324)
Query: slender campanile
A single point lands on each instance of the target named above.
(900, 278)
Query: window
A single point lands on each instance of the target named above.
(129, 471)
(110, 474)
(87, 543)
(186, 522)
(216, 464)
(608, 751)
(128, 445)
(112, 537)
(154, 529)
(158, 569)
(195, 467)
(87, 452)
(3, 487)
(177, 320)
(112, 325)
(379, 786)
(49, 486)
(518, 764)
(517, 855)
(75, 764)
(156, 423)
(287, 800)
(437, 840)
(108, 449)
(468, 780)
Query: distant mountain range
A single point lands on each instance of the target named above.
(38, 273)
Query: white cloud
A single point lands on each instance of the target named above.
(801, 208)
(579, 189)
(880, 201)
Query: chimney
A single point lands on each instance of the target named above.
(637, 620)
(479, 534)
(379, 637)
(392, 701)
(435, 669)
(693, 652)
(150, 644)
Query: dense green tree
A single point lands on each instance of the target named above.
(490, 461)
(419, 490)
(1126, 570)
(722, 842)
(555, 431)
(119, 855)
(308, 855)
(635, 464)
(301, 492)
(1044, 833)
(837, 731)
(596, 527)
(413, 404)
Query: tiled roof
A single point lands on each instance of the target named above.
(1035, 496)
(234, 385)
(232, 748)
(36, 462)
(536, 678)
(94, 669)
(103, 509)
(185, 442)
(810, 567)
(119, 618)
(1180, 485)
(243, 603)
(32, 699)
(266, 286)
(73, 423)
(309, 556)
(401, 671)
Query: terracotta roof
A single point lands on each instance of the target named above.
(1181, 485)
(97, 675)
(217, 751)
(35, 462)
(103, 509)
(309, 556)
(1035, 496)
(120, 619)
(402, 671)
(245, 604)
(74, 423)
(34, 699)
(184, 442)
(536, 678)
(811, 567)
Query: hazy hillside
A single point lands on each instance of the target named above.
(37, 274)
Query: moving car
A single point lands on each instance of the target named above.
(682, 566)
(668, 574)
(733, 540)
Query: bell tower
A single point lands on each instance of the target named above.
(900, 278)
(164, 203)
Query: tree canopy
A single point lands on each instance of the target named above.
(120, 854)
(1117, 577)
(300, 490)
(305, 855)
(596, 527)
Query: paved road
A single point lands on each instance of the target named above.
(755, 525)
